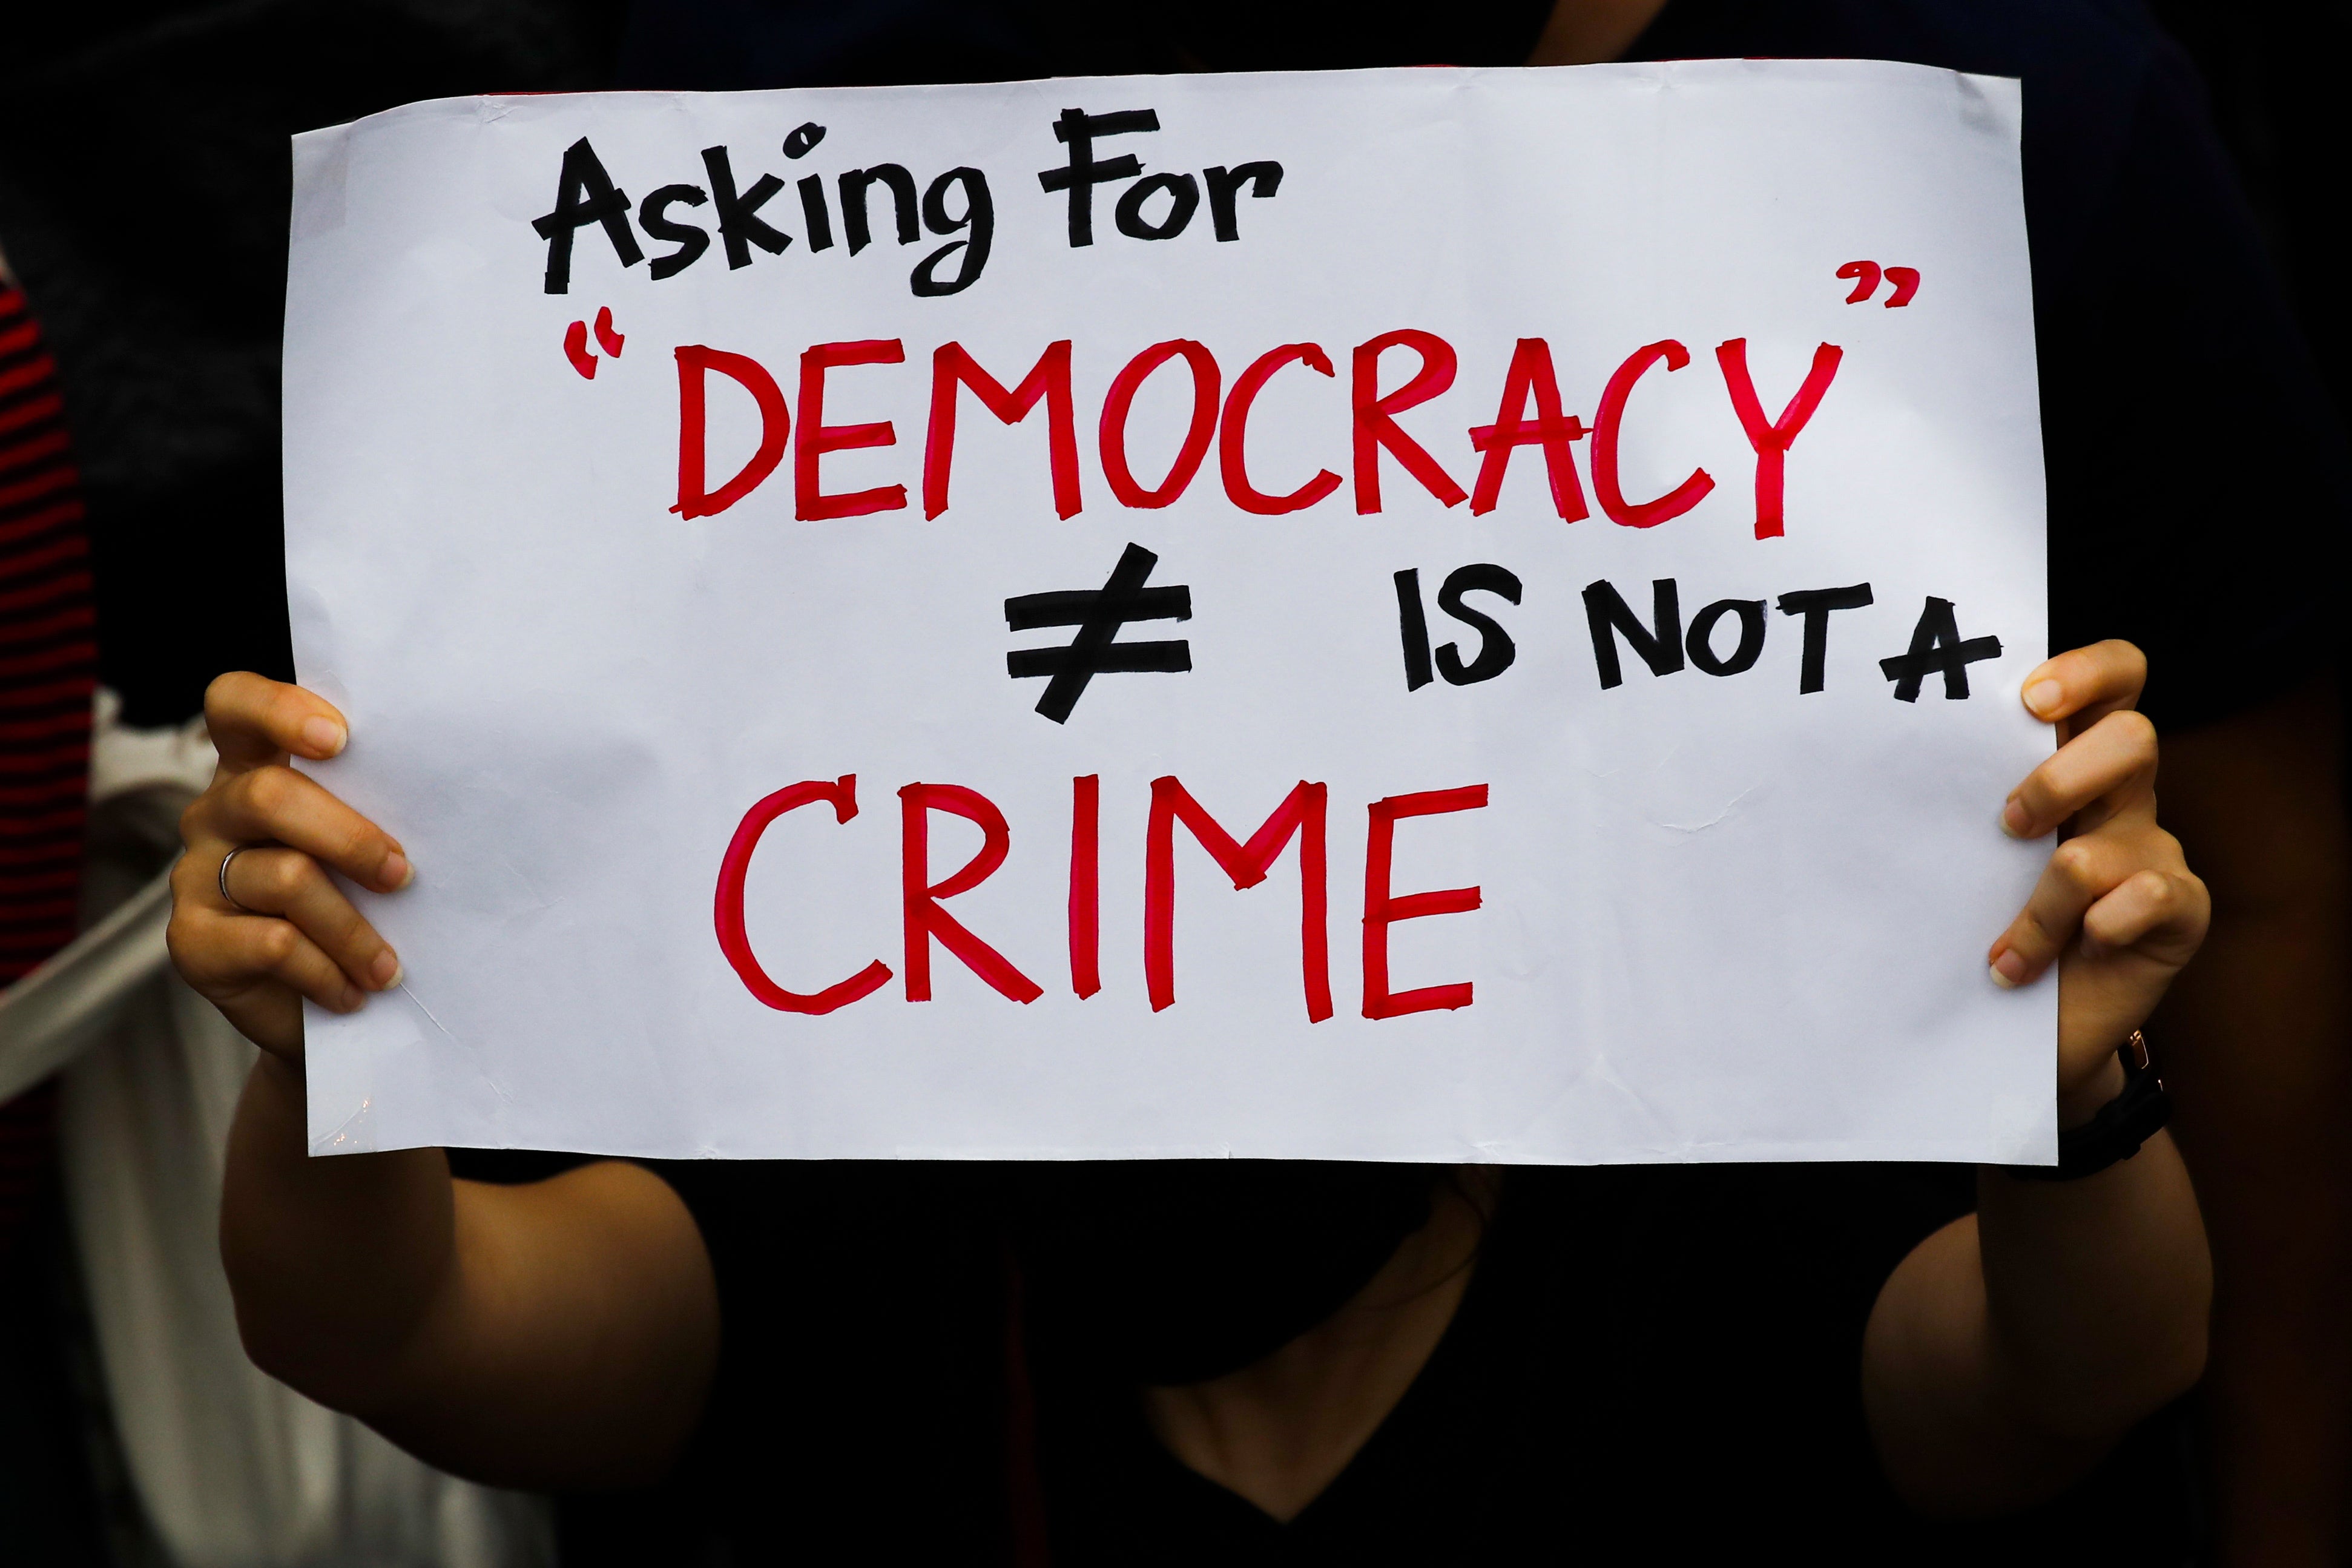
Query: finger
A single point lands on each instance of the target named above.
(289, 883)
(225, 954)
(255, 720)
(2081, 872)
(2162, 914)
(277, 804)
(262, 1010)
(2116, 756)
(2084, 685)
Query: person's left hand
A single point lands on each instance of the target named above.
(2118, 910)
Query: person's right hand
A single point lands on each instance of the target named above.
(290, 932)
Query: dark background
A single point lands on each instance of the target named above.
(2280, 108)
(143, 193)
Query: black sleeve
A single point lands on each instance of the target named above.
(512, 1167)
(1737, 1299)
(858, 1409)
(2196, 467)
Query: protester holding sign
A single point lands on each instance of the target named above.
(1706, 890)
(1132, 1270)
(564, 1335)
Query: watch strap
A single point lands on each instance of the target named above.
(2116, 1132)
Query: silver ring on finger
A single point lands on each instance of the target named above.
(226, 897)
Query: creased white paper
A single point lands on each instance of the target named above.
(1718, 916)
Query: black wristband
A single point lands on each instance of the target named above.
(2116, 1132)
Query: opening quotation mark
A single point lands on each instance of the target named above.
(575, 342)
(1866, 274)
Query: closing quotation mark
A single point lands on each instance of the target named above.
(1866, 274)
(575, 342)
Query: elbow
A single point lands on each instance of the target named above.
(274, 1353)
(2194, 1345)
(2178, 1365)
(2170, 1370)
(2139, 1369)
(290, 1336)
(2091, 1414)
(2176, 1341)
(281, 1344)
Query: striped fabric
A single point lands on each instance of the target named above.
(48, 665)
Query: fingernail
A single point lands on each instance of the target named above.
(395, 873)
(2045, 696)
(385, 971)
(324, 736)
(352, 1000)
(2009, 970)
(2013, 820)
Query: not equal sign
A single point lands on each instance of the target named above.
(1098, 613)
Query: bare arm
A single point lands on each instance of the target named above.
(2014, 1348)
(559, 1334)
(2258, 1049)
(2011, 1350)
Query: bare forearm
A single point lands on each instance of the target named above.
(2097, 1291)
(2011, 1348)
(558, 1334)
(575, 1344)
(333, 1262)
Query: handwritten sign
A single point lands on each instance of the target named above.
(1421, 615)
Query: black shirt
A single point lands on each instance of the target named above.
(1665, 1357)
(1650, 1362)
(1655, 1365)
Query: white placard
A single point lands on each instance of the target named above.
(1603, 505)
